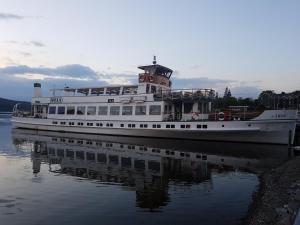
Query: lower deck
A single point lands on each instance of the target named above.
(272, 131)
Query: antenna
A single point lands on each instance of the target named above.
(154, 60)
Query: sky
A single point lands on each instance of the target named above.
(248, 46)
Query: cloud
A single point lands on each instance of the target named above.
(37, 43)
(20, 79)
(25, 54)
(10, 16)
(245, 91)
(27, 43)
(200, 82)
(17, 81)
(67, 72)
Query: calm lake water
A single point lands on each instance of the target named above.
(61, 178)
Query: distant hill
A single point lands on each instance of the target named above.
(6, 105)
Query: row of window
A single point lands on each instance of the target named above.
(131, 125)
(103, 110)
(130, 147)
(103, 158)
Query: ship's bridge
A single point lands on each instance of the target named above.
(156, 74)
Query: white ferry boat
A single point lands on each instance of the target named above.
(153, 109)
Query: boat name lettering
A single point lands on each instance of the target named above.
(56, 99)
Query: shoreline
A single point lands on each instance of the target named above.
(277, 200)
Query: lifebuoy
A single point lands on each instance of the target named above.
(195, 116)
(151, 78)
(221, 116)
(142, 78)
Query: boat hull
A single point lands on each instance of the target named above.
(271, 132)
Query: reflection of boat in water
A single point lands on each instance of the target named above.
(236, 155)
(144, 165)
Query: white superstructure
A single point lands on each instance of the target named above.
(152, 109)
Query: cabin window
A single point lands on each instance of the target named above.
(140, 110)
(60, 152)
(114, 159)
(79, 155)
(155, 110)
(70, 154)
(70, 110)
(90, 156)
(81, 110)
(114, 110)
(204, 126)
(121, 125)
(168, 126)
(91, 110)
(127, 110)
(126, 162)
(52, 109)
(61, 110)
(182, 126)
(154, 166)
(139, 164)
(102, 110)
(101, 158)
(54, 122)
(172, 126)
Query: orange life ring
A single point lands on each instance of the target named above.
(151, 78)
(142, 78)
(195, 116)
(221, 116)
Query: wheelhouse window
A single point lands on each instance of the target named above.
(127, 110)
(80, 110)
(71, 110)
(61, 110)
(102, 110)
(114, 110)
(91, 110)
(140, 110)
(52, 109)
(155, 110)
